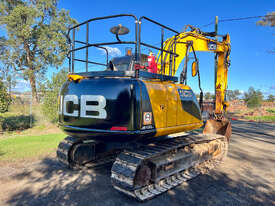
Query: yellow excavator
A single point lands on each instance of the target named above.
(138, 115)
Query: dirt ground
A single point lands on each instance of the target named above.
(246, 178)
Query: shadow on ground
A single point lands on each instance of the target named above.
(51, 184)
(92, 187)
(265, 130)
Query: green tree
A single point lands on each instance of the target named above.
(268, 20)
(232, 94)
(35, 37)
(253, 98)
(229, 95)
(50, 91)
(213, 96)
(271, 98)
(208, 96)
(5, 98)
(8, 78)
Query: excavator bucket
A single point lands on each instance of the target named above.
(222, 127)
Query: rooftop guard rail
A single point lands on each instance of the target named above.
(137, 41)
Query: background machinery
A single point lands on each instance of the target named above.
(135, 113)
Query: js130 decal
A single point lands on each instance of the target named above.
(97, 108)
(185, 94)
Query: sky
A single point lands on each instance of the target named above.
(251, 64)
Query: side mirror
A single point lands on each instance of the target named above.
(195, 66)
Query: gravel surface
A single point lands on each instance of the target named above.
(247, 177)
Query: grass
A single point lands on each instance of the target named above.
(28, 147)
(261, 118)
(26, 143)
(271, 110)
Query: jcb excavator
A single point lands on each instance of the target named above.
(137, 115)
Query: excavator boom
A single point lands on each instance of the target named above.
(186, 42)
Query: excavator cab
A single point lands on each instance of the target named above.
(120, 63)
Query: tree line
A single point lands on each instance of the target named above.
(253, 98)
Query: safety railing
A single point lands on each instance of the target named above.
(72, 33)
(137, 42)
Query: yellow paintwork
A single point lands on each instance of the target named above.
(221, 83)
(177, 129)
(75, 77)
(168, 113)
(200, 43)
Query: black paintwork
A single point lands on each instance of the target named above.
(189, 102)
(148, 75)
(126, 100)
(141, 74)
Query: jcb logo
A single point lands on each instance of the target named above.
(97, 109)
(212, 45)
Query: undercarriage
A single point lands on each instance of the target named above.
(158, 167)
(146, 169)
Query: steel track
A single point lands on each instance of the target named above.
(127, 163)
(63, 155)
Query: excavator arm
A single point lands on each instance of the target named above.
(181, 45)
